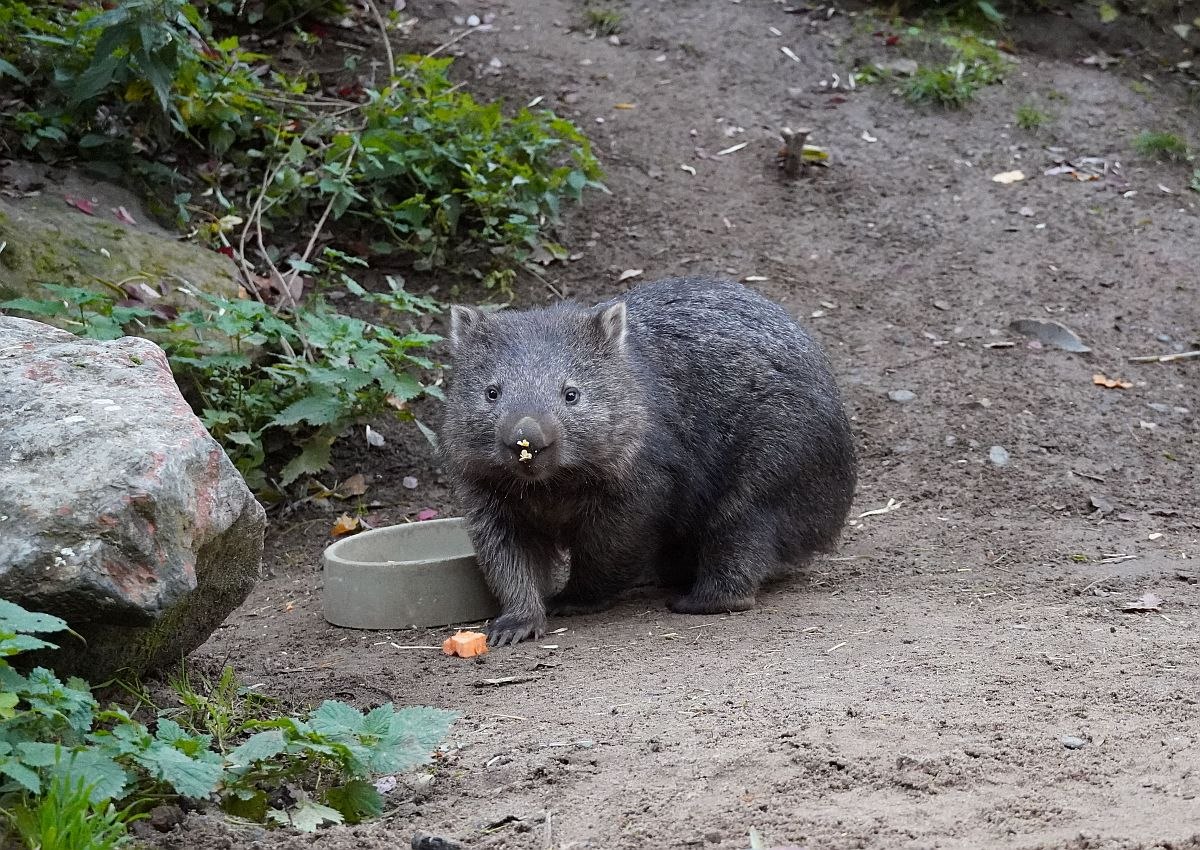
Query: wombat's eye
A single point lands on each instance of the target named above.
(492, 392)
(571, 395)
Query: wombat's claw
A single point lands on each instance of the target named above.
(509, 631)
(692, 604)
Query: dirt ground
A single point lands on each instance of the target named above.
(916, 689)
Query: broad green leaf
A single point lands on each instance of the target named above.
(188, 776)
(22, 775)
(315, 409)
(357, 800)
(314, 457)
(23, 643)
(261, 745)
(108, 780)
(14, 618)
(308, 815)
(8, 704)
(248, 804)
(39, 754)
(336, 718)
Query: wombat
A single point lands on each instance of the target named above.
(688, 429)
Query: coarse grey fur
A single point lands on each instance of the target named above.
(689, 429)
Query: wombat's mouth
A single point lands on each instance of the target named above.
(531, 464)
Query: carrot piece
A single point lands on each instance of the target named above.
(466, 644)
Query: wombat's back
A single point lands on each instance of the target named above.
(752, 406)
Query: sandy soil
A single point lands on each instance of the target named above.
(914, 690)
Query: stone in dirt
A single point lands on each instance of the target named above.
(118, 512)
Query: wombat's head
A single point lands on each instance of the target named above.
(542, 394)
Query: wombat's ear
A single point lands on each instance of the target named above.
(609, 323)
(464, 323)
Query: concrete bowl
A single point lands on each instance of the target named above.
(404, 576)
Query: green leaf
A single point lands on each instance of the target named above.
(14, 618)
(316, 409)
(251, 805)
(261, 745)
(336, 718)
(35, 307)
(1108, 13)
(428, 433)
(308, 815)
(188, 776)
(10, 70)
(108, 780)
(22, 775)
(989, 11)
(8, 704)
(357, 800)
(94, 80)
(23, 643)
(39, 754)
(313, 458)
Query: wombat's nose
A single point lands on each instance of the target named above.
(528, 434)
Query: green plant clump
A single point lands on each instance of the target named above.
(1163, 146)
(418, 164)
(1029, 117)
(75, 774)
(974, 63)
(603, 21)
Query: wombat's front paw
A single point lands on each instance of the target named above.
(512, 629)
(693, 604)
(567, 606)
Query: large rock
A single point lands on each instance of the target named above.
(118, 511)
(46, 238)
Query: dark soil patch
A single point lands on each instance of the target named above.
(914, 690)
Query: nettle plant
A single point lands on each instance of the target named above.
(73, 769)
(267, 381)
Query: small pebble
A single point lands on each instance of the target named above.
(950, 440)
(614, 41)
(998, 455)
(1072, 743)
(1026, 211)
(473, 20)
(409, 483)
(902, 396)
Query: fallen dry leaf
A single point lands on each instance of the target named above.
(426, 514)
(346, 524)
(355, 485)
(1009, 177)
(1145, 602)
(123, 215)
(1100, 380)
(628, 273)
(624, 106)
(82, 204)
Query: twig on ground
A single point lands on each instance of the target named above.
(459, 37)
(387, 42)
(1165, 358)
